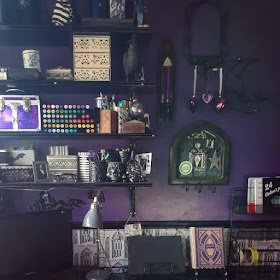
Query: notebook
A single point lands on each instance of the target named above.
(207, 247)
(154, 254)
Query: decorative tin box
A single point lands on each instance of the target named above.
(92, 58)
(22, 156)
(122, 118)
(59, 165)
(20, 113)
(59, 73)
(16, 174)
(134, 126)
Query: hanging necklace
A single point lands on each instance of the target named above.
(207, 96)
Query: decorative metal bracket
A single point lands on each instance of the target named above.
(132, 201)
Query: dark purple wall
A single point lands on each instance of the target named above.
(252, 33)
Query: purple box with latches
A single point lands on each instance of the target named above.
(20, 113)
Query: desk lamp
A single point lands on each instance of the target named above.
(93, 219)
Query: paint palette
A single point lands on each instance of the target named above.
(67, 119)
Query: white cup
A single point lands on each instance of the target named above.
(31, 59)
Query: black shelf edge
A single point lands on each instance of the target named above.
(53, 136)
(79, 185)
(70, 85)
(111, 28)
(39, 35)
(260, 210)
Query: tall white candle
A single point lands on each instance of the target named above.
(194, 80)
(221, 82)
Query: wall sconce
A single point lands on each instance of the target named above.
(166, 82)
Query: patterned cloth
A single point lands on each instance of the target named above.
(62, 13)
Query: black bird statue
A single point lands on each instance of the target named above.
(132, 60)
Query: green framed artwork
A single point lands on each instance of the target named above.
(199, 155)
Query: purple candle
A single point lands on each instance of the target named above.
(167, 93)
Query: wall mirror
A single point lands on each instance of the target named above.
(205, 33)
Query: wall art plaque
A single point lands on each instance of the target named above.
(199, 154)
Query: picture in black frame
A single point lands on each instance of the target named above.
(41, 171)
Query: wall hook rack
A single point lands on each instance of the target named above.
(213, 187)
(187, 186)
(199, 188)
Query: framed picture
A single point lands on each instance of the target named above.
(199, 155)
(41, 171)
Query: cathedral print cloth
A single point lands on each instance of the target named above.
(207, 247)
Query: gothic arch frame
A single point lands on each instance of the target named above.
(176, 156)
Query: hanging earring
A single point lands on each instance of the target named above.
(207, 96)
(221, 102)
(193, 102)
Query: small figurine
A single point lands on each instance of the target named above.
(132, 59)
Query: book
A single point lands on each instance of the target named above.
(255, 195)
(263, 195)
(207, 247)
(271, 194)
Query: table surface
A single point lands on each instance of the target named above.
(268, 273)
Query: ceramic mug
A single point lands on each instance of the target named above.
(31, 59)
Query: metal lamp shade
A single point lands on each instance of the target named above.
(93, 217)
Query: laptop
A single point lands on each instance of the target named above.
(149, 255)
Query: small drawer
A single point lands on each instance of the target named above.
(92, 75)
(92, 60)
(86, 43)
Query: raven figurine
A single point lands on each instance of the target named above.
(132, 60)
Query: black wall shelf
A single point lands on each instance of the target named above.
(78, 185)
(69, 87)
(48, 35)
(72, 136)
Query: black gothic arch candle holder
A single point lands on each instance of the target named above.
(206, 61)
(199, 155)
(166, 81)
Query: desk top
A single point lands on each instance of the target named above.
(233, 273)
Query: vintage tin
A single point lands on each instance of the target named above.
(22, 156)
(20, 113)
(59, 165)
(122, 117)
(16, 174)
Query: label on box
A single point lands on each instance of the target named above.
(271, 192)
